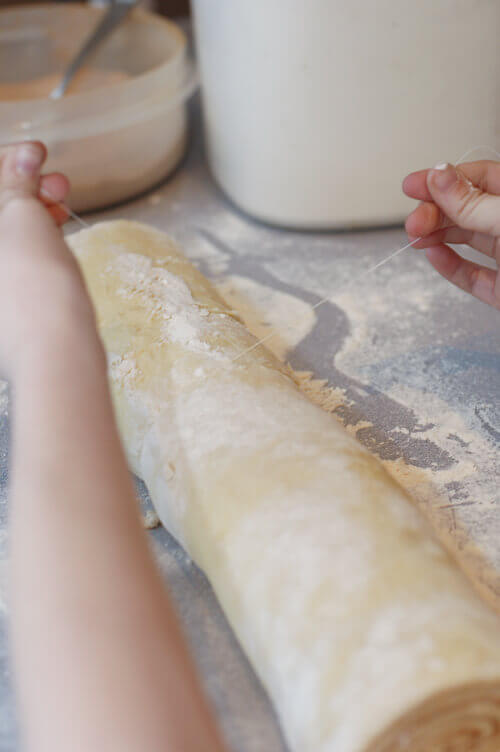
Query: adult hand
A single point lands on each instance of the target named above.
(459, 205)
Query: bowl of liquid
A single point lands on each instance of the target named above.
(121, 127)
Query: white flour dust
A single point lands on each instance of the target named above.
(394, 325)
(4, 398)
(400, 344)
(150, 519)
(265, 310)
(167, 296)
(387, 315)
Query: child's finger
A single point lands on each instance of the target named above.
(20, 166)
(54, 188)
(58, 213)
(459, 199)
(477, 280)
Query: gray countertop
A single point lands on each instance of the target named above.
(414, 365)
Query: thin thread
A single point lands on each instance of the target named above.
(326, 300)
(82, 222)
(368, 271)
(321, 302)
(71, 213)
(476, 148)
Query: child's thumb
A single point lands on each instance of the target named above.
(20, 166)
(466, 205)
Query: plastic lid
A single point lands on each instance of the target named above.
(40, 40)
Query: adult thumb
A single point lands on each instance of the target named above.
(463, 203)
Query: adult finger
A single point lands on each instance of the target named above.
(426, 219)
(415, 186)
(459, 199)
(477, 280)
(485, 174)
(482, 242)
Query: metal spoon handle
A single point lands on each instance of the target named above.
(113, 16)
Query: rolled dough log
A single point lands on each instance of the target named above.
(365, 633)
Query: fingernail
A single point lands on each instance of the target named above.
(28, 159)
(444, 176)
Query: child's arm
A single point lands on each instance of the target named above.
(459, 205)
(99, 660)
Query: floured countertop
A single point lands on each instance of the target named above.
(414, 370)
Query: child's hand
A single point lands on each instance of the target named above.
(459, 205)
(73, 513)
(40, 284)
(20, 166)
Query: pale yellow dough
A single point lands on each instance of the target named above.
(365, 633)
